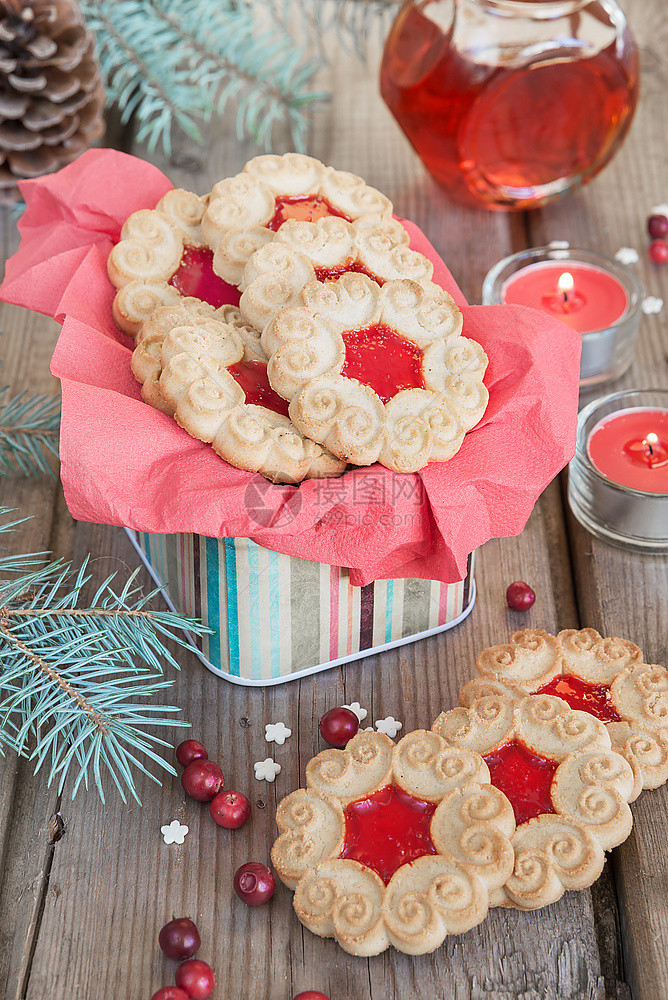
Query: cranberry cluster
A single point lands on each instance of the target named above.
(195, 980)
(657, 227)
(203, 780)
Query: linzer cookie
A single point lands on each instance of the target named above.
(568, 788)
(207, 373)
(161, 257)
(394, 844)
(245, 211)
(378, 374)
(606, 677)
(322, 251)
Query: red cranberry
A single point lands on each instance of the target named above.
(657, 226)
(311, 995)
(230, 809)
(196, 978)
(202, 780)
(254, 883)
(658, 251)
(338, 726)
(520, 596)
(179, 938)
(170, 993)
(190, 750)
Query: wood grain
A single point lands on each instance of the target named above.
(80, 918)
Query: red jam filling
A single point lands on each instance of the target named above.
(382, 359)
(332, 273)
(305, 208)
(195, 276)
(583, 696)
(252, 377)
(388, 829)
(524, 778)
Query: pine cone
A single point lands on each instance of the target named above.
(51, 95)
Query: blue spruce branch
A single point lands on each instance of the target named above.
(29, 427)
(179, 62)
(350, 23)
(78, 682)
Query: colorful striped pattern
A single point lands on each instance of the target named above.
(268, 622)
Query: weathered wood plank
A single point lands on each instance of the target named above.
(621, 593)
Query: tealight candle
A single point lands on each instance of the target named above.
(599, 298)
(618, 482)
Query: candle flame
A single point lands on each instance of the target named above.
(566, 283)
(652, 441)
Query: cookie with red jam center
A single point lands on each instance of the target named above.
(377, 373)
(606, 677)
(569, 790)
(384, 831)
(162, 258)
(205, 367)
(246, 211)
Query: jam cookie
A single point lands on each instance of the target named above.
(146, 361)
(606, 677)
(322, 251)
(161, 257)
(568, 788)
(378, 374)
(394, 844)
(245, 211)
(207, 374)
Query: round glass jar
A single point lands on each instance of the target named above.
(620, 514)
(511, 103)
(607, 351)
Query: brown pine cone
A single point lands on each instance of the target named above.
(51, 95)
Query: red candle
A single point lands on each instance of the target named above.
(585, 297)
(631, 448)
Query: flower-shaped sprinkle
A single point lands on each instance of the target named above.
(651, 305)
(627, 255)
(267, 769)
(276, 732)
(360, 712)
(389, 726)
(174, 833)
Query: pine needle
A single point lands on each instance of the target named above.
(78, 683)
(29, 427)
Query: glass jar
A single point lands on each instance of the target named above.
(511, 103)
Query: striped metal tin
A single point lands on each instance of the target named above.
(275, 618)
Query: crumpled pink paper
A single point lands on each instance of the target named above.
(124, 463)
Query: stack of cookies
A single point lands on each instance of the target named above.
(284, 319)
(509, 800)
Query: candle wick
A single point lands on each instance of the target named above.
(649, 445)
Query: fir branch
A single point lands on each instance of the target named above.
(351, 23)
(29, 427)
(161, 68)
(77, 681)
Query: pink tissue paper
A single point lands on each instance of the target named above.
(124, 463)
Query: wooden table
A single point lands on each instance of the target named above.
(79, 917)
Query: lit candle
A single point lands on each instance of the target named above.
(618, 478)
(631, 448)
(599, 298)
(586, 298)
